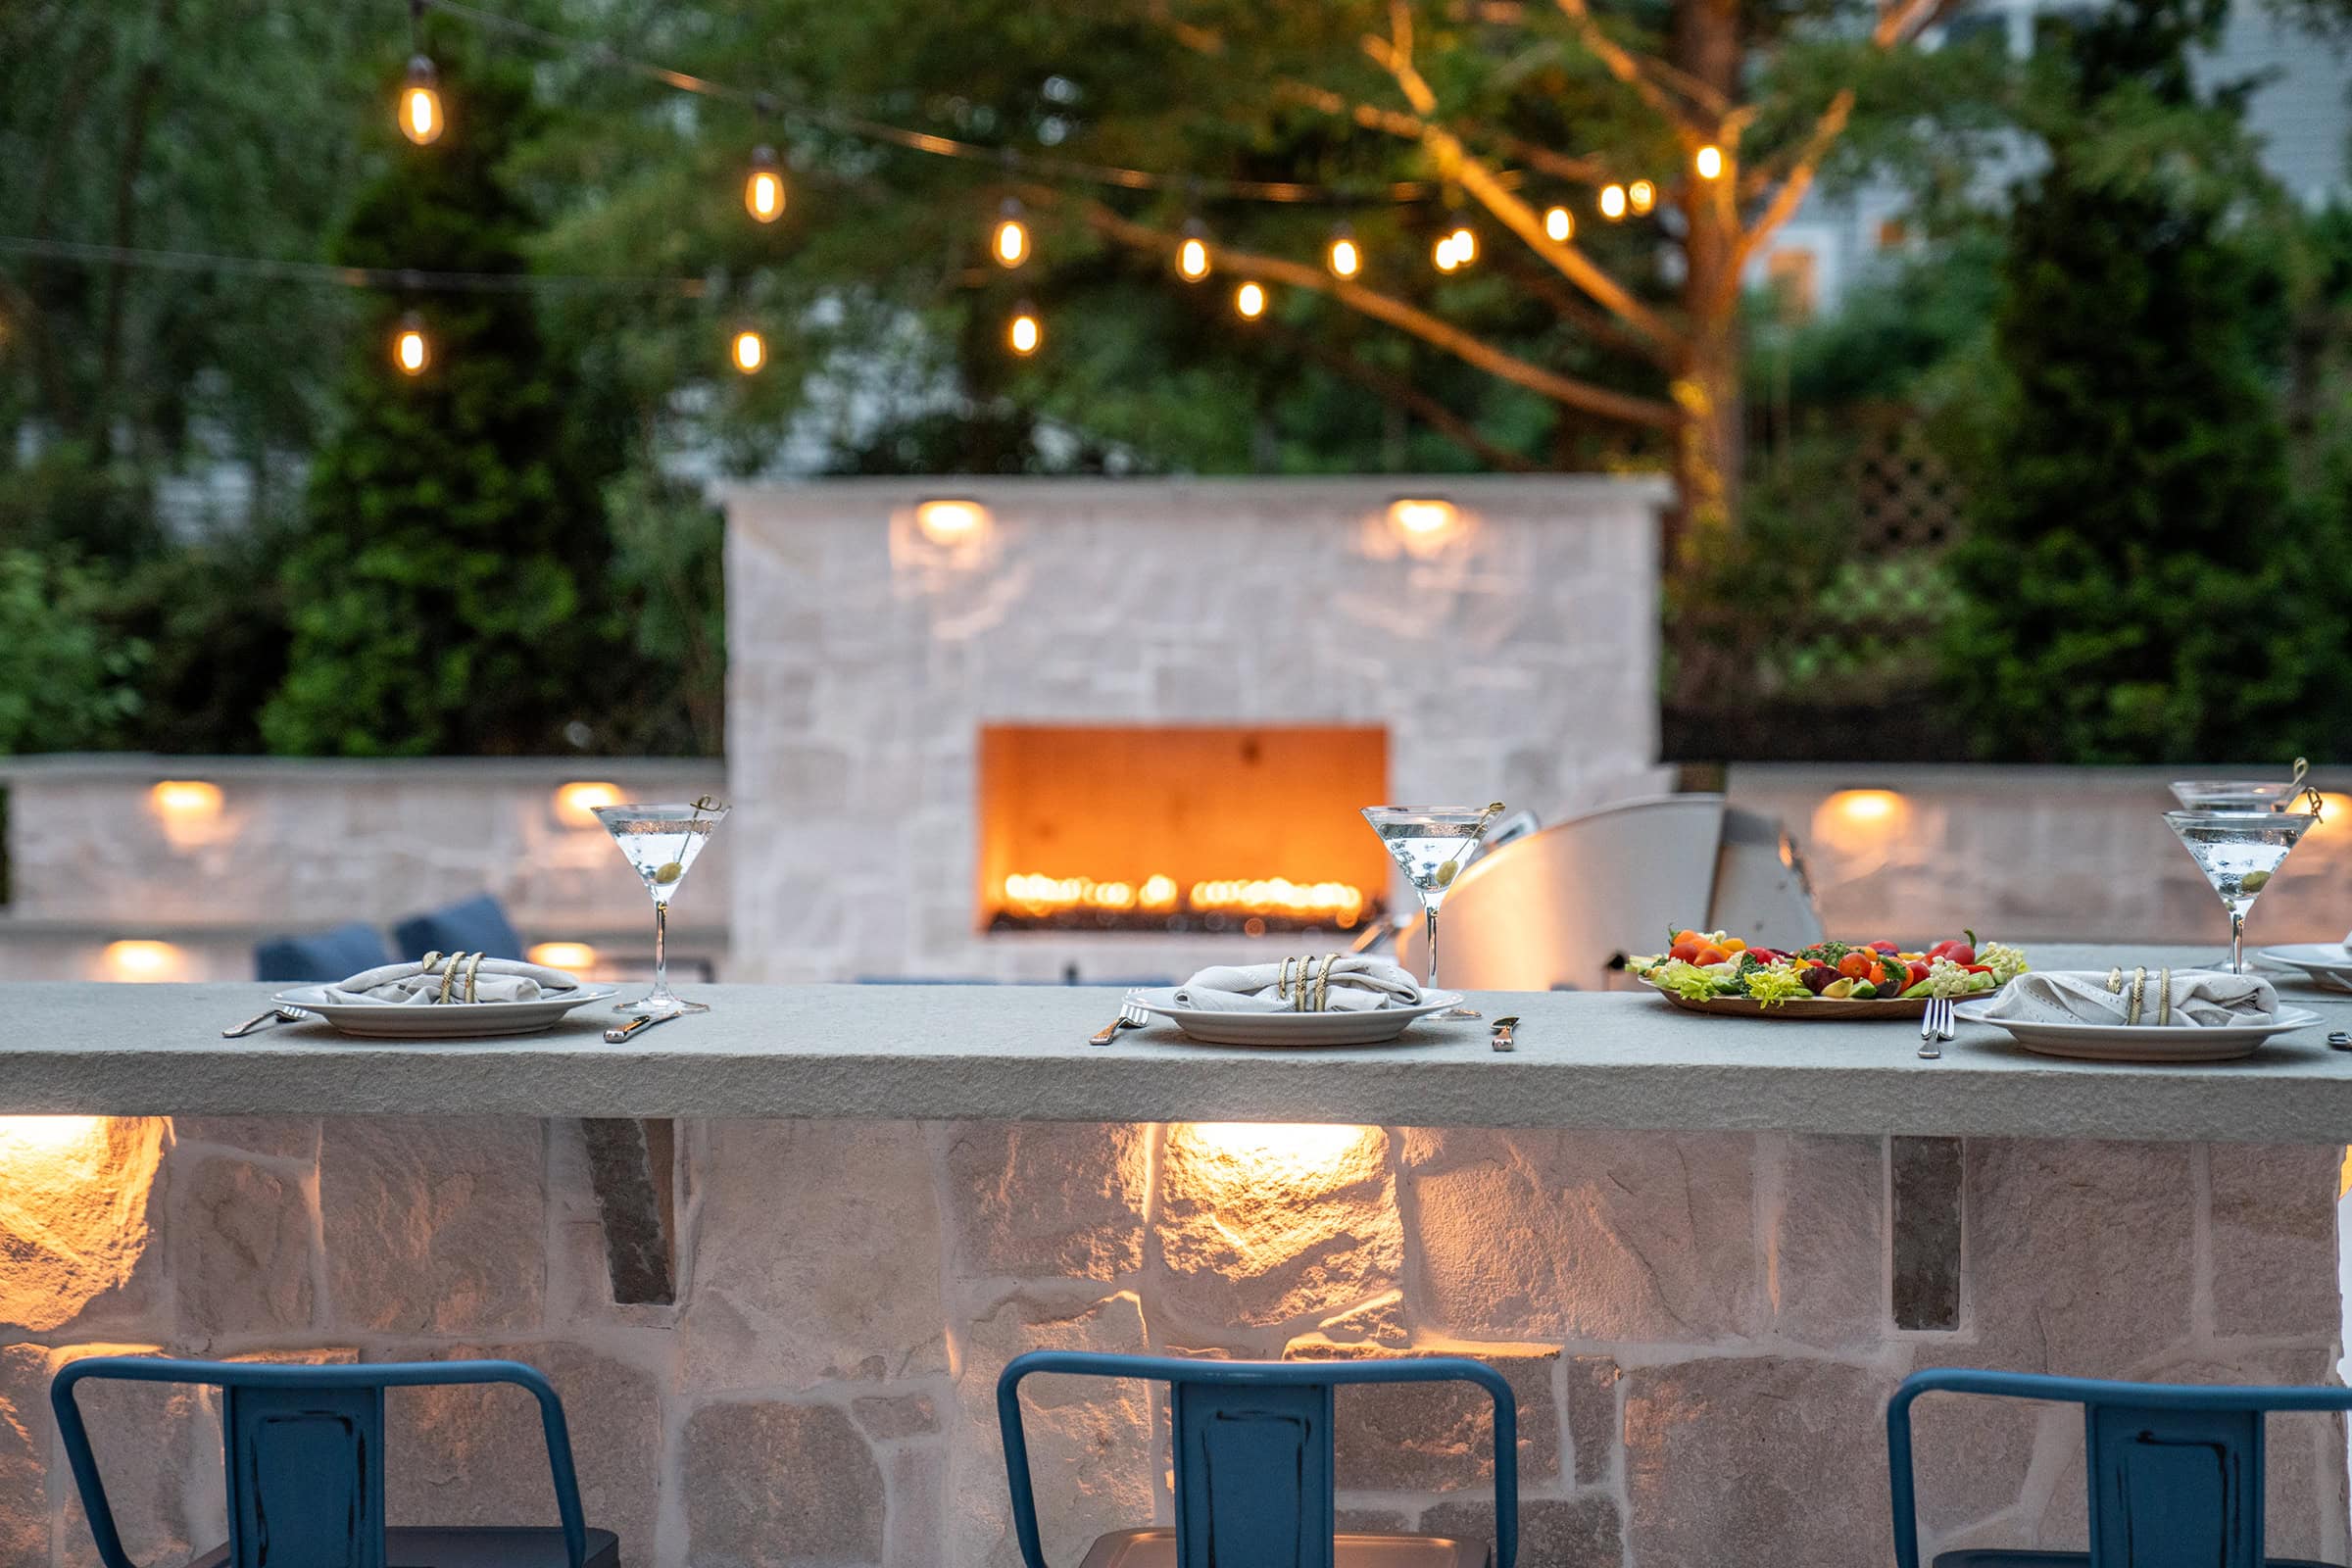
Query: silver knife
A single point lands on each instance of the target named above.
(1504, 1029)
(645, 1020)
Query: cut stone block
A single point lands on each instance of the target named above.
(147, 1438)
(1379, 1321)
(241, 1254)
(1927, 1177)
(1581, 1531)
(1091, 1451)
(630, 1164)
(816, 1256)
(1828, 1241)
(1593, 1432)
(25, 1450)
(1438, 1437)
(773, 1484)
(2079, 1254)
(1048, 1199)
(1263, 1224)
(76, 1222)
(278, 1137)
(433, 1225)
(905, 1415)
(474, 1454)
(2274, 1239)
(1587, 1236)
(1770, 1459)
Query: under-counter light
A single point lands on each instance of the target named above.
(578, 801)
(579, 957)
(187, 800)
(143, 961)
(1854, 821)
(1423, 518)
(951, 522)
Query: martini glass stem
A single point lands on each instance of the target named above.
(2237, 942)
(660, 991)
(1429, 919)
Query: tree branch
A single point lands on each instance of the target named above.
(1401, 392)
(1791, 194)
(1650, 77)
(1411, 127)
(1467, 347)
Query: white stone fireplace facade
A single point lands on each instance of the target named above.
(1509, 653)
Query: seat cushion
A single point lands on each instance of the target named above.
(489, 1547)
(477, 925)
(2069, 1559)
(335, 954)
(1157, 1549)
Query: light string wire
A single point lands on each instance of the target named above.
(1044, 165)
(407, 279)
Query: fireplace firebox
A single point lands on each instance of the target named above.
(1183, 828)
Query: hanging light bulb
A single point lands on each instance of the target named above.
(1559, 225)
(1441, 255)
(1613, 202)
(1010, 244)
(1709, 161)
(763, 186)
(1250, 302)
(1025, 333)
(1191, 253)
(412, 350)
(1642, 196)
(1345, 256)
(749, 351)
(1465, 246)
(421, 103)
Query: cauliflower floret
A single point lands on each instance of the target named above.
(1948, 979)
(2006, 962)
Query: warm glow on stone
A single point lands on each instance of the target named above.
(1262, 1222)
(576, 801)
(73, 1211)
(1423, 520)
(185, 800)
(2335, 812)
(1859, 819)
(575, 956)
(951, 522)
(143, 961)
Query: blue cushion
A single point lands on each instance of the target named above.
(335, 954)
(477, 925)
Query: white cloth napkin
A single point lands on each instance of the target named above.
(2204, 996)
(407, 985)
(1357, 985)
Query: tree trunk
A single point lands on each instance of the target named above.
(1707, 45)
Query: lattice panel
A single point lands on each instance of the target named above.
(1904, 493)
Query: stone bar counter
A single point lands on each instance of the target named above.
(775, 1258)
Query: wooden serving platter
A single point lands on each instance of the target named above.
(1805, 1006)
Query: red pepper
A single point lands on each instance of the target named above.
(1977, 968)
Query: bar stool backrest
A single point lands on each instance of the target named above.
(2175, 1471)
(1254, 1449)
(303, 1447)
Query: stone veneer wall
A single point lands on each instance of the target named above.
(1697, 1325)
(303, 845)
(2038, 854)
(1515, 659)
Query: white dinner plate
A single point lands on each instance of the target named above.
(2325, 962)
(2151, 1043)
(1371, 1026)
(457, 1020)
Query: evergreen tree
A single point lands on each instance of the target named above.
(445, 596)
(2131, 568)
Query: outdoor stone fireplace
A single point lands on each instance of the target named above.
(1089, 684)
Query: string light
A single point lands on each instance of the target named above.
(1465, 246)
(1559, 225)
(1345, 256)
(1010, 245)
(750, 350)
(1642, 195)
(1441, 255)
(1249, 301)
(1613, 202)
(1709, 161)
(420, 104)
(1191, 256)
(1026, 333)
(763, 186)
(412, 350)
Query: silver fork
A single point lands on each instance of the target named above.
(1934, 1027)
(262, 1020)
(1131, 1016)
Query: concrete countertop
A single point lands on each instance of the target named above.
(1591, 1060)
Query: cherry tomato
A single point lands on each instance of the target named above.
(1888, 948)
(1917, 972)
(1685, 951)
(1857, 965)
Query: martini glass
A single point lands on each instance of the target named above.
(1430, 844)
(2240, 851)
(2233, 795)
(662, 842)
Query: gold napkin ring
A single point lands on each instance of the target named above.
(2164, 997)
(472, 970)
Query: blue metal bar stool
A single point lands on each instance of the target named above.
(2175, 1471)
(305, 1458)
(1254, 1464)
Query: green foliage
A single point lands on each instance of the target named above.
(668, 582)
(445, 594)
(66, 679)
(2135, 570)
